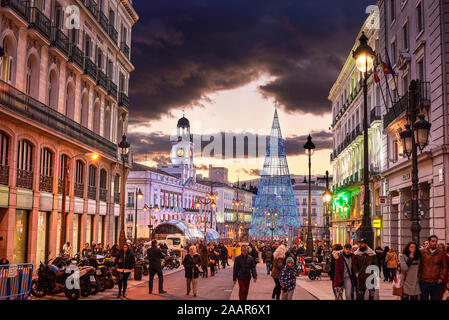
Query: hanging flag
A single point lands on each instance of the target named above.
(376, 76)
(385, 68)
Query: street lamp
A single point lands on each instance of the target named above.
(364, 56)
(139, 195)
(150, 208)
(415, 135)
(309, 147)
(124, 149)
(209, 199)
(65, 177)
(327, 198)
(273, 217)
(237, 204)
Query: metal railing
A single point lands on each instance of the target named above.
(112, 89)
(113, 33)
(59, 40)
(92, 7)
(15, 281)
(60, 187)
(79, 190)
(125, 48)
(19, 6)
(92, 192)
(24, 179)
(40, 22)
(4, 174)
(103, 193)
(375, 115)
(90, 68)
(46, 183)
(76, 55)
(102, 79)
(103, 20)
(26, 106)
(123, 100)
(117, 197)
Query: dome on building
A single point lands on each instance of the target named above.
(183, 123)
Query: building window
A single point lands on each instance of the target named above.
(46, 163)
(79, 172)
(419, 17)
(130, 199)
(393, 52)
(405, 36)
(304, 212)
(420, 70)
(392, 10)
(395, 151)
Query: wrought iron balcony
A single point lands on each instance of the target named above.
(4, 174)
(24, 179)
(92, 193)
(19, 6)
(123, 100)
(46, 183)
(79, 190)
(59, 40)
(375, 115)
(90, 68)
(103, 193)
(60, 187)
(32, 109)
(113, 33)
(40, 22)
(76, 55)
(112, 89)
(125, 48)
(102, 79)
(103, 20)
(117, 197)
(92, 7)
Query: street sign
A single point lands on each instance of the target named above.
(377, 223)
(12, 271)
(382, 200)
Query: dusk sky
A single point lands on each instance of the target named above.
(226, 62)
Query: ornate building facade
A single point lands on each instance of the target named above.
(64, 94)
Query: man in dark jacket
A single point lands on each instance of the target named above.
(155, 255)
(365, 264)
(267, 257)
(244, 269)
(254, 252)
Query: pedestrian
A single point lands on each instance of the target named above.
(86, 252)
(379, 251)
(287, 279)
(213, 258)
(364, 257)
(267, 257)
(392, 263)
(154, 255)
(383, 256)
(354, 248)
(191, 265)
(244, 269)
(446, 278)
(67, 250)
(319, 253)
(125, 265)
(223, 255)
(254, 252)
(336, 249)
(4, 262)
(114, 250)
(278, 264)
(433, 269)
(409, 262)
(345, 274)
(204, 255)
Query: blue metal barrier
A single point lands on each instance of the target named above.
(15, 280)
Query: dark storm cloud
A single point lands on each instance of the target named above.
(156, 146)
(184, 50)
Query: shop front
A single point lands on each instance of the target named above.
(43, 231)
(21, 236)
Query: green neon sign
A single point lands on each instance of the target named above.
(342, 203)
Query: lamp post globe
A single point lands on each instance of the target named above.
(422, 128)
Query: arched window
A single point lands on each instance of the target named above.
(4, 164)
(25, 164)
(92, 187)
(107, 124)
(79, 179)
(8, 66)
(32, 77)
(85, 110)
(46, 170)
(97, 117)
(53, 90)
(61, 174)
(70, 101)
(117, 188)
(103, 184)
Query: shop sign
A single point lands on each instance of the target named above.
(382, 200)
(406, 177)
(12, 271)
(395, 200)
(377, 223)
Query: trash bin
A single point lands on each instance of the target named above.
(138, 272)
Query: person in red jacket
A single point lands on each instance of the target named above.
(446, 278)
(345, 277)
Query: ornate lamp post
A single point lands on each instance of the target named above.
(139, 195)
(150, 226)
(237, 203)
(309, 147)
(415, 135)
(209, 199)
(273, 216)
(327, 198)
(124, 149)
(364, 56)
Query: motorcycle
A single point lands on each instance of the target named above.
(314, 271)
(89, 282)
(51, 280)
(144, 264)
(168, 262)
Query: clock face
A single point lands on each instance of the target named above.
(180, 152)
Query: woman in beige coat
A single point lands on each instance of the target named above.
(409, 262)
(392, 263)
(278, 264)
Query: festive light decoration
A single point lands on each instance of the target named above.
(275, 192)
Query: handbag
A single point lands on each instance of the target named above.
(398, 283)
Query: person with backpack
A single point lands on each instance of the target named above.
(345, 274)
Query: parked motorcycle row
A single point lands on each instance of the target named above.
(97, 273)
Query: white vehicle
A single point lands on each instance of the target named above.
(175, 241)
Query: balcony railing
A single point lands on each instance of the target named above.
(90, 68)
(375, 115)
(92, 193)
(117, 197)
(4, 174)
(125, 48)
(40, 22)
(113, 33)
(103, 193)
(102, 79)
(59, 40)
(19, 6)
(32, 109)
(79, 190)
(104, 23)
(123, 100)
(60, 187)
(46, 183)
(76, 55)
(112, 89)
(24, 179)
(92, 7)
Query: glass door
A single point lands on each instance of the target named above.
(20, 237)
(42, 237)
